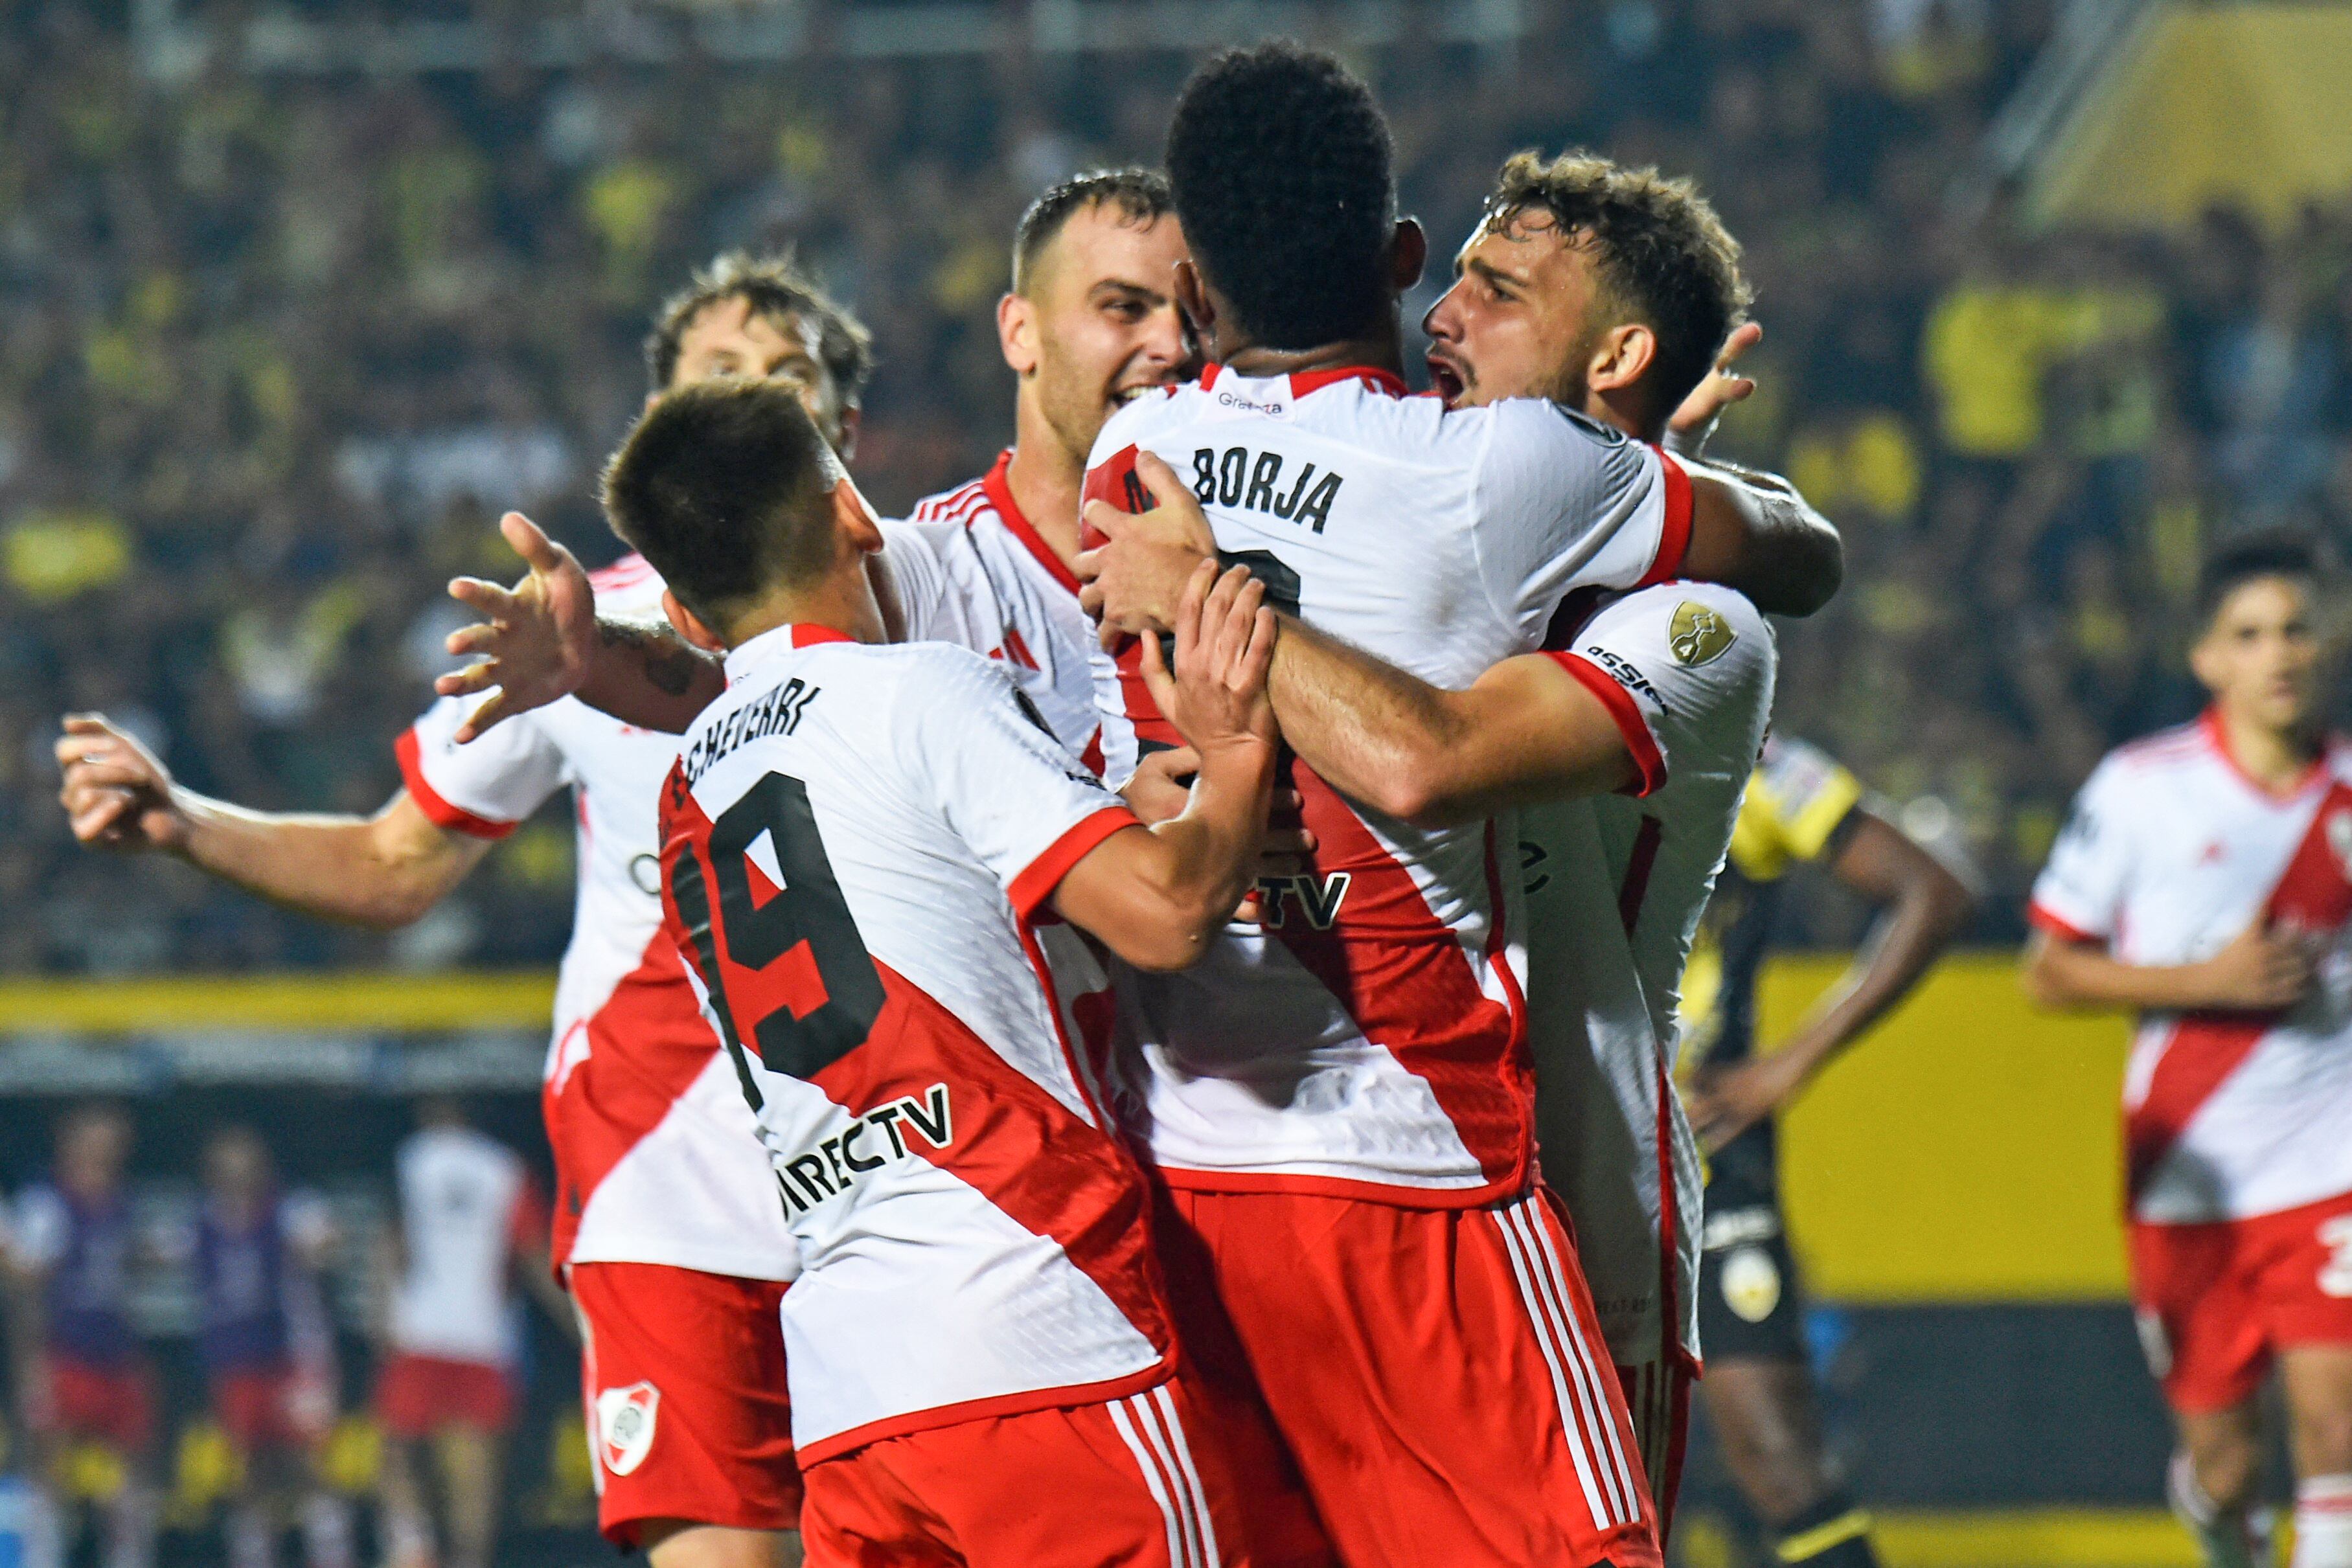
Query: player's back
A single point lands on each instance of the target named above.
(1367, 1032)
(857, 841)
(464, 1210)
(2172, 852)
(1615, 889)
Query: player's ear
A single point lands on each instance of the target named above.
(1622, 358)
(1193, 299)
(855, 515)
(1016, 332)
(853, 419)
(689, 625)
(1408, 254)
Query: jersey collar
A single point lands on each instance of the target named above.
(2209, 724)
(745, 656)
(998, 486)
(1305, 381)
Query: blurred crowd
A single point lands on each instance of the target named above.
(277, 348)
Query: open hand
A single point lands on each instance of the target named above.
(537, 638)
(1691, 425)
(117, 793)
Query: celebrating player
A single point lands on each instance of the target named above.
(861, 846)
(471, 1220)
(267, 1348)
(1089, 324)
(1601, 288)
(81, 1375)
(665, 1219)
(1339, 1099)
(2204, 881)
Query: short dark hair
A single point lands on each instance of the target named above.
(775, 286)
(724, 486)
(1140, 195)
(1279, 162)
(1661, 251)
(2238, 561)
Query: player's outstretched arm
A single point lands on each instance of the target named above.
(383, 871)
(1158, 896)
(543, 640)
(1752, 531)
(1923, 906)
(2262, 970)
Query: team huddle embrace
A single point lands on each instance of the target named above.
(1047, 1068)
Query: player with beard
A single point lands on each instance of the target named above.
(1338, 1099)
(1089, 323)
(1605, 288)
(666, 1225)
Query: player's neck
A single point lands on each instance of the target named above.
(2277, 759)
(1046, 478)
(1381, 349)
(843, 604)
(1621, 411)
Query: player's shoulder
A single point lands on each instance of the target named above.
(629, 587)
(1789, 766)
(1696, 623)
(950, 509)
(2152, 758)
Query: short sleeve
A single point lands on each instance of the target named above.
(2080, 894)
(1007, 787)
(1805, 794)
(39, 1229)
(1686, 671)
(1561, 502)
(911, 551)
(487, 786)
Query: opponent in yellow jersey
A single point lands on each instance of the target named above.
(1800, 807)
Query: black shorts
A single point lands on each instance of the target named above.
(1749, 1300)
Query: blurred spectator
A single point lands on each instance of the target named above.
(277, 348)
(85, 1390)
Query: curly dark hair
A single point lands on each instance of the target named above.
(775, 286)
(1664, 256)
(1279, 160)
(1139, 194)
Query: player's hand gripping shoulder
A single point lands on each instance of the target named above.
(1134, 580)
(1158, 896)
(541, 641)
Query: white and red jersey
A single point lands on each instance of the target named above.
(1367, 1038)
(467, 1206)
(972, 571)
(2171, 852)
(656, 1160)
(857, 845)
(1614, 888)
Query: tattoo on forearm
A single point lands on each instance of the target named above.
(668, 663)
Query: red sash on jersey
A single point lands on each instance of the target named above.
(2313, 894)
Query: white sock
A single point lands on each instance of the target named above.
(252, 1544)
(2322, 1522)
(130, 1528)
(2224, 1536)
(327, 1531)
